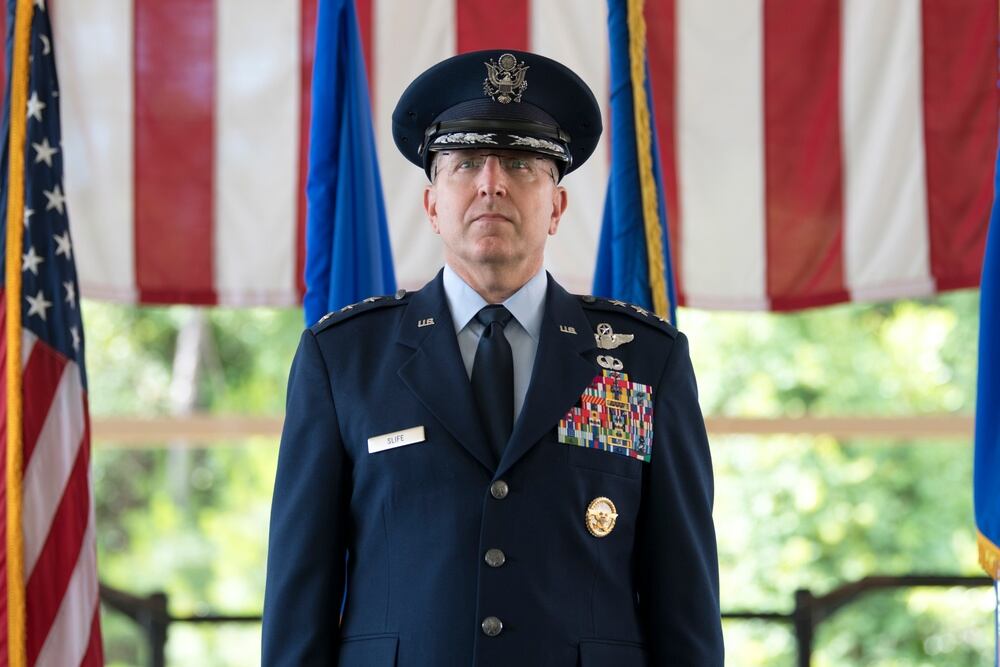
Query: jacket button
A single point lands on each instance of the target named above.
(492, 626)
(499, 489)
(495, 558)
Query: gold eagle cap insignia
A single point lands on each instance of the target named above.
(607, 339)
(505, 79)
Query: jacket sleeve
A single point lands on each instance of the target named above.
(677, 563)
(306, 546)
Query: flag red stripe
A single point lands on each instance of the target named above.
(42, 375)
(94, 657)
(307, 52)
(802, 155)
(3, 51)
(48, 582)
(960, 132)
(174, 150)
(661, 45)
(366, 17)
(488, 24)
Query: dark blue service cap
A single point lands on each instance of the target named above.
(498, 99)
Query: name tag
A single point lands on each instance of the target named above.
(409, 436)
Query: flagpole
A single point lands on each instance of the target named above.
(16, 621)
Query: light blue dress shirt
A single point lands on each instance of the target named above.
(527, 305)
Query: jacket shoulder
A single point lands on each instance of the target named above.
(366, 306)
(598, 305)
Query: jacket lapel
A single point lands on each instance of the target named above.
(435, 372)
(560, 376)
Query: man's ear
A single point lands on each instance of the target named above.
(430, 206)
(560, 200)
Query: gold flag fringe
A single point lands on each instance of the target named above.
(989, 556)
(644, 150)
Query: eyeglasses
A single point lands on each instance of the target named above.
(520, 167)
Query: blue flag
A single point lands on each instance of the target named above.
(348, 256)
(633, 259)
(987, 462)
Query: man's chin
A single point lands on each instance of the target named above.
(492, 253)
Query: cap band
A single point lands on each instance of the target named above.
(517, 129)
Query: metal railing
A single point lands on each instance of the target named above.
(811, 610)
(152, 615)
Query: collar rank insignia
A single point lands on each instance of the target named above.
(505, 80)
(615, 415)
(607, 339)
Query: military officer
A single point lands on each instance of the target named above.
(491, 471)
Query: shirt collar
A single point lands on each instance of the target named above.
(527, 304)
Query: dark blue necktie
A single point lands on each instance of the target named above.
(493, 378)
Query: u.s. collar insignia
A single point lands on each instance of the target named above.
(505, 80)
(601, 516)
(607, 339)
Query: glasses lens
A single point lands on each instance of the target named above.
(522, 167)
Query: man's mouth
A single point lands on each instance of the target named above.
(491, 217)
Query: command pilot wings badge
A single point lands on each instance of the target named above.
(505, 79)
(607, 339)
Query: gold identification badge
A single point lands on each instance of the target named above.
(601, 516)
(409, 436)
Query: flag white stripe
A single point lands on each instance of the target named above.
(556, 28)
(257, 149)
(409, 38)
(28, 340)
(69, 636)
(51, 463)
(720, 152)
(94, 57)
(886, 243)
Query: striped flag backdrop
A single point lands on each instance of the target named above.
(48, 571)
(812, 152)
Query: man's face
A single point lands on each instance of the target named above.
(493, 206)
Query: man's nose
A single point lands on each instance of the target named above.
(492, 177)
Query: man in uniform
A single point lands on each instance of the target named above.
(490, 470)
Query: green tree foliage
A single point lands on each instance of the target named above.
(791, 511)
(205, 545)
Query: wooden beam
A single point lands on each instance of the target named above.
(229, 430)
(918, 426)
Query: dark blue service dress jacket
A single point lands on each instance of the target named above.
(450, 557)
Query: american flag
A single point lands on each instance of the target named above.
(50, 506)
(812, 152)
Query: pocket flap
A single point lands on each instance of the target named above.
(612, 654)
(369, 651)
